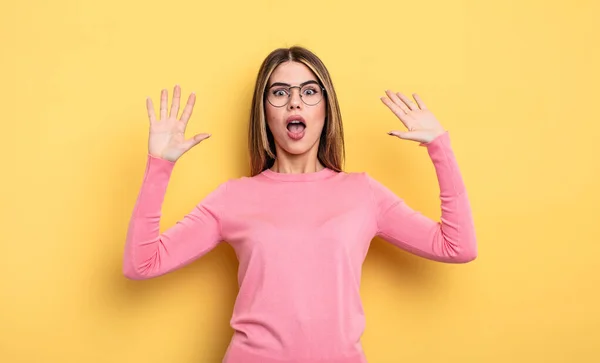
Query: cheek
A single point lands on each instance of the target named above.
(319, 114)
(269, 117)
(272, 115)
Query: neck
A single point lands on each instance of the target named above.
(297, 164)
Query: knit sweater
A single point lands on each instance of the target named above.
(300, 240)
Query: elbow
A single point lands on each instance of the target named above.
(458, 251)
(465, 257)
(463, 248)
(466, 253)
(132, 275)
(133, 272)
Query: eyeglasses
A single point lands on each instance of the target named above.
(279, 94)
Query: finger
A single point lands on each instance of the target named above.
(406, 120)
(175, 102)
(163, 104)
(195, 140)
(419, 101)
(409, 135)
(150, 108)
(189, 107)
(401, 134)
(408, 102)
(397, 101)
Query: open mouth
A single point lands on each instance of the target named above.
(296, 126)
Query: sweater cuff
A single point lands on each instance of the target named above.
(436, 141)
(158, 170)
(159, 159)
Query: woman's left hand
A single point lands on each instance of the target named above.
(421, 123)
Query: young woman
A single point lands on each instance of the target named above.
(300, 226)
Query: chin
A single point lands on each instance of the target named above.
(298, 147)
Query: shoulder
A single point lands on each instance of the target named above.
(242, 181)
(360, 179)
(370, 184)
(359, 176)
(234, 186)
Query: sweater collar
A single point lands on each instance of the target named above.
(312, 176)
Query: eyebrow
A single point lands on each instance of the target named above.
(289, 85)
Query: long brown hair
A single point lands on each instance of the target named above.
(261, 143)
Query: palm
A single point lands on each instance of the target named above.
(167, 136)
(422, 125)
(166, 139)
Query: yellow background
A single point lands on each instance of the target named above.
(515, 83)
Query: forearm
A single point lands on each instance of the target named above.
(456, 238)
(452, 239)
(143, 234)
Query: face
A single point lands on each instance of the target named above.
(292, 137)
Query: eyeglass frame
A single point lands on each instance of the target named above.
(289, 87)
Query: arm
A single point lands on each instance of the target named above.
(148, 253)
(452, 239)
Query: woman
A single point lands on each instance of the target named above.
(300, 226)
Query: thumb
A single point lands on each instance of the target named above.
(409, 135)
(195, 140)
(400, 134)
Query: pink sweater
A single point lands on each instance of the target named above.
(300, 240)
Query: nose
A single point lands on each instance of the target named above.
(295, 100)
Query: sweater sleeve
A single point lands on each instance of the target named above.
(149, 253)
(450, 240)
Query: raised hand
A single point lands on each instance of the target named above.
(167, 135)
(421, 123)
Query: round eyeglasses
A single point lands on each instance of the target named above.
(279, 94)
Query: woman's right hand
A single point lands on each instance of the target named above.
(167, 135)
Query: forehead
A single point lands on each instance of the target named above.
(291, 72)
